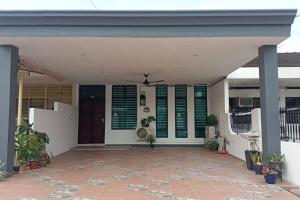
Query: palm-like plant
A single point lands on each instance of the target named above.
(3, 173)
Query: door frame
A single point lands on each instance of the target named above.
(78, 103)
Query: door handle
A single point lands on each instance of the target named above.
(102, 119)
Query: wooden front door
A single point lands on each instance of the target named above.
(91, 129)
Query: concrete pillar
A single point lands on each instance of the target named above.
(268, 78)
(20, 100)
(8, 86)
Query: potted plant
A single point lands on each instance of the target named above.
(257, 162)
(275, 163)
(211, 124)
(213, 145)
(147, 121)
(29, 145)
(36, 148)
(150, 138)
(270, 175)
(254, 149)
(3, 173)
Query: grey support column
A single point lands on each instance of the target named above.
(8, 87)
(268, 77)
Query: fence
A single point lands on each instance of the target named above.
(240, 122)
(290, 124)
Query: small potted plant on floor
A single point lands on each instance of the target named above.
(254, 149)
(150, 138)
(270, 175)
(275, 162)
(213, 145)
(29, 145)
(211, 124)
(257, 162)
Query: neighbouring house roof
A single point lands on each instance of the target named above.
(284, 60)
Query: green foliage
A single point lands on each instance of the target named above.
(212, 120)
(256, 158)
(213, 145)
(275, 158)
(3, 173)
(150, 138)
(147, 121)
(29, 143)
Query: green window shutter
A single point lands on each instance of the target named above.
(124, 106)
(200, 99)
(162, 111)
(181, 111)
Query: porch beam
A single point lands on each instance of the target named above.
(8, 87)
(28, 65)
(268, 78)
(213, 23)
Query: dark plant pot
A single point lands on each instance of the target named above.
(278, 167)
(16, 169)
(249, 163)
(257, 169)
(33, 165)
(271, 178)
(152, 146)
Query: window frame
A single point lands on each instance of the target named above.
(124, 98)
(186, 105)
(195, 98)
(167, 111)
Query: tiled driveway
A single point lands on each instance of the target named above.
(137, 174)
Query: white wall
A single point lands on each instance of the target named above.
(219, 97)
(292, 164)
(129, 136)
(60, 124)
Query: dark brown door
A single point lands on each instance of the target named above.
(91, 128)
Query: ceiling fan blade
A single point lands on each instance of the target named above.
(160, 81)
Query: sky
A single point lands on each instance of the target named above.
(290, 45)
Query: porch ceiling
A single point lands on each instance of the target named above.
(113, 60)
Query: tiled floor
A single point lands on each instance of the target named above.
(179, 173)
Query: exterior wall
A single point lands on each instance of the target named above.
(129, 136)
(60, 125)
(292, 165)
(219, 95)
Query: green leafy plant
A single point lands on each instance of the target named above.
(3, 173)
(256, 158)
(150, 138)
(29, 144)
(212, 120)
(147, 121)
(275, 158)
(213, 145)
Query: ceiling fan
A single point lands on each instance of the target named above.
(146, 82)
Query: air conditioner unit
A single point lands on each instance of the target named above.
(245, 102)
(141, 134)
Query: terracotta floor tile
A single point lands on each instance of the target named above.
(142, 174)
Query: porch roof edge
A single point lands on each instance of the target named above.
(146, 17)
